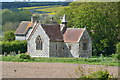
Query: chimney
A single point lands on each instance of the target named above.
(51, 19)
(35, 19)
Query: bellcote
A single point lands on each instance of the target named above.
(64, 21)
(64, 24)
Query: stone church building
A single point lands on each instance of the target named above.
(54, 40)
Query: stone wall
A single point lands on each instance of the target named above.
(85, 39)
(32, 45)
(55, 49)
(72, 49)
(59, 49)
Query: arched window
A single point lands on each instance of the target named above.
(39, 43)
(56, 46)
(85, 44)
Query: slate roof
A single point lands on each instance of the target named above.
(23, 28)
(53, 31)
(73, 34)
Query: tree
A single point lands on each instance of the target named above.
(6, 15)
(118, 48)
(10, 26)
(101, 21)
(9, 36)
(11, 16)
(24, 15)
(44, 18)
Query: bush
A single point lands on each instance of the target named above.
(117, 56)
(88, 74)
(14, 46)
(24, 56)
(103, 75)
(92, 60)
(98, 75)
(118, 48)
(118, 51)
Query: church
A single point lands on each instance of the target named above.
(54, 40)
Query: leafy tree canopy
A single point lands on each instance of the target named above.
(10, 26)
(9, 36)
(10, 16)
(118, 48)
(100, 19)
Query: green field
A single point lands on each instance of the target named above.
(107, 61)
(53, 9)
(34, 7)
(50, 10)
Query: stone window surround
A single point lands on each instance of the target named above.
(85, 46)
(39, 43)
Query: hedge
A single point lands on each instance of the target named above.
(14, 46)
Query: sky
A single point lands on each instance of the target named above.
(27, 0)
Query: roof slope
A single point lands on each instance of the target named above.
(53, 32)
(23, 27)
(73, 34)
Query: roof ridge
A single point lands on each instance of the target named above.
(75, 28)
(26, 21)
(33, 30)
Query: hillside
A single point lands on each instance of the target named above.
(11, 5)
(36, 7)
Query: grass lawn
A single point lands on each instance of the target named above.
(107, 61)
